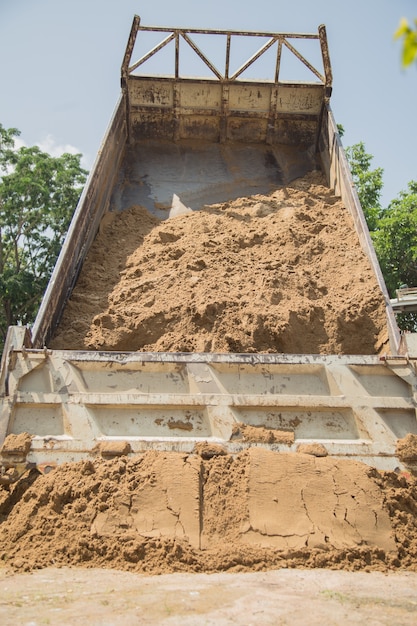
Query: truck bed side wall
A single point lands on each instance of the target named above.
(93, 203)
(339, 178)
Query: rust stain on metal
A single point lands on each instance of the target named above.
(164, 106)
(179, 424)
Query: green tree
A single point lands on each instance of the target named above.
(38, 195)
(396, 247)
(393, 229)
(368, 182)
(408, 34)
(396, 240)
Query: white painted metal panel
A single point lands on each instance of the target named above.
(357, 407)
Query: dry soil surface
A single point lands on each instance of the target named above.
(282, 597)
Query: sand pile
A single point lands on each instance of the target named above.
(164, 512)
(278, 273)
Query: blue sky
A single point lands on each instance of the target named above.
(60, 67)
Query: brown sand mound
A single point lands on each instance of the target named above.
(278, 273)
(165, 512)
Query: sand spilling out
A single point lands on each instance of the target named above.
(277, 273)
(166, 511)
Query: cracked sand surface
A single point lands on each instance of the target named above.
(168, 511)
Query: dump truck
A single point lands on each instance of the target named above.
(175, 144)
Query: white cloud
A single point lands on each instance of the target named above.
(19, 143)
(49, 145)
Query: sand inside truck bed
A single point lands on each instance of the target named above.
(277, 273)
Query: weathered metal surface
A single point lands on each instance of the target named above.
(225, 107)
(274, 38)
(94, 202)
(405, 300)
(162, 175)
(244, 112)
(326, 59)
(339, 177)
(356, 407)
(408, 345)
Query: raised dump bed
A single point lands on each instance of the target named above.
(177, 144)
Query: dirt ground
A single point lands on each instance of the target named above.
(284, 597)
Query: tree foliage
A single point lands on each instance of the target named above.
(368, 182)
(408, 34)
(396, 240)
(396, 247)
(38, 195)
(393, 229)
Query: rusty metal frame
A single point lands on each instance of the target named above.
(177, 34)
(168, 114)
